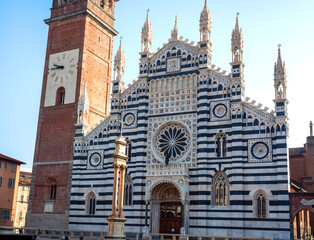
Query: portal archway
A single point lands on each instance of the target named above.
(166, 209)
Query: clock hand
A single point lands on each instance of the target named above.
(57, 67)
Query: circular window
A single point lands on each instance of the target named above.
(260, 150)
(220, 110)
(95, 159)
(129, 119)
(172, 142)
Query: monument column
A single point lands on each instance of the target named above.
(116, 221)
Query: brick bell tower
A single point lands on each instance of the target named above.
(79, 51)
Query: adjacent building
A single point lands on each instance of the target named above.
(302, 163)
(302, 188)
(9, 185)
(22, 196)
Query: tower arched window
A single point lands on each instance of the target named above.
(60, 96)
(128, 191)
(53, 191)
(220, 190)
(102, 3)
(260, 207)
(91, 204)
(221, 144)
(51, 188)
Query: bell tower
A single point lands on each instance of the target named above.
(79, 52)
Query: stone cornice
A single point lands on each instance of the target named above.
(83, 12)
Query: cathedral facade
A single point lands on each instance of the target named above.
(203, 158)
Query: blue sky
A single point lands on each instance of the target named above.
(265, 24)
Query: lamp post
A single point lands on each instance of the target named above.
(116, 219)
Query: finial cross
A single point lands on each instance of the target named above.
(122, 123)
(148, 10)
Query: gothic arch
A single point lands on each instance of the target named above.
(221, 144)
(90, 203)
(220, 187)
(260, 204)
(153, 187)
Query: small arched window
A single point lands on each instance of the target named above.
(102, 3)
(221, 144)
(128, 191)
(52, 186)
(60, 96)
(53, 191)
(220, 190)
(260, 205)
(91, 204)
(110, 3)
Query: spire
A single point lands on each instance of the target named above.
(237, 31)
(119, 63)
(147, 35)
(280, 81)
(237, 42)
(205, 24)
(311, 129)
(205, 13)
(279, 65)
(174, 32)
(83, 106)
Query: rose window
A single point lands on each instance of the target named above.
(172, 142)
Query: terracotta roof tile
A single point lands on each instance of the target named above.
(4, 157)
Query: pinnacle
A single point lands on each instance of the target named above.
(279, 65)
(237, 31)
(237, 22)
(174, 33)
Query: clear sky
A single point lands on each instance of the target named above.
(265, 24)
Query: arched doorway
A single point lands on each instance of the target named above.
(167, 210)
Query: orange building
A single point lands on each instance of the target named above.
(9, 181)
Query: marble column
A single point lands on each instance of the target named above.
(121, 192)
(114, 191)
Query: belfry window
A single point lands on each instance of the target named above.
(60, 96)
(128, 191)
(220, 190)
(91, 204)
(221, 145)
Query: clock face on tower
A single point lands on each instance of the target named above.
(62, 72)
